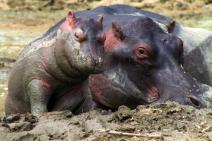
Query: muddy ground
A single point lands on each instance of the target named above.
(168, 122)
(22, 21)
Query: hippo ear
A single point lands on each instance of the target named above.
(71, 19)
(100, 21)
(171, 26)
(116, 29)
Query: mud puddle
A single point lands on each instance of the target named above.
(168, 122)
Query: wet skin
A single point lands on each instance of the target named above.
(144, 64)
(56, 68)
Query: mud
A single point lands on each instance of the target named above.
(168, 121)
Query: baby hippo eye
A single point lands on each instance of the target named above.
(165, 41)
(79, 35)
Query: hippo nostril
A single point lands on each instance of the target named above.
(195, 101)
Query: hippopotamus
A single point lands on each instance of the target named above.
(56, 67)
(119, 83)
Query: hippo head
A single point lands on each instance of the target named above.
(83, 41)
(144, 65)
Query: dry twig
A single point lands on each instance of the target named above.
(132, 134)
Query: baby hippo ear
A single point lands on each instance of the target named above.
(116, 29)
(171, 26)
(71, 19)
(100, 21)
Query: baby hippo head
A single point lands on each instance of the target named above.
(83, 41)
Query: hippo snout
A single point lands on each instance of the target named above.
(202, 100)
(195, 101)
(206, 97)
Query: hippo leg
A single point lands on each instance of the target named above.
(87, 105)
(78, 100)
(68, 100)
(39, 93)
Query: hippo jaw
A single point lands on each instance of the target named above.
(118, 89)
(86, 63)
(152, 60)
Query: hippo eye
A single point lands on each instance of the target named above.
(166, 41)
(79, 35)
(141, 53)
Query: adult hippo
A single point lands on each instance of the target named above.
(57, 67)
(145, 66)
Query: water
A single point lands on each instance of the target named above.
(3, 81)
(11, 43)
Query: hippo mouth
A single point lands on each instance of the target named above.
(95, 62)
(98, 62)
(113, 90)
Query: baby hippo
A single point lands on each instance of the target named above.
(56, 68)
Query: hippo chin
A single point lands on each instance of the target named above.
(145, 65)
(57, 67)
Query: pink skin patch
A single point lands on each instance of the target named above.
(111, 41)
(152, 92)
(45, 83)
(66, 26)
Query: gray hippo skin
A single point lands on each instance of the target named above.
(56, 67)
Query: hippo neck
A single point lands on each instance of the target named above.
(63, 61)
